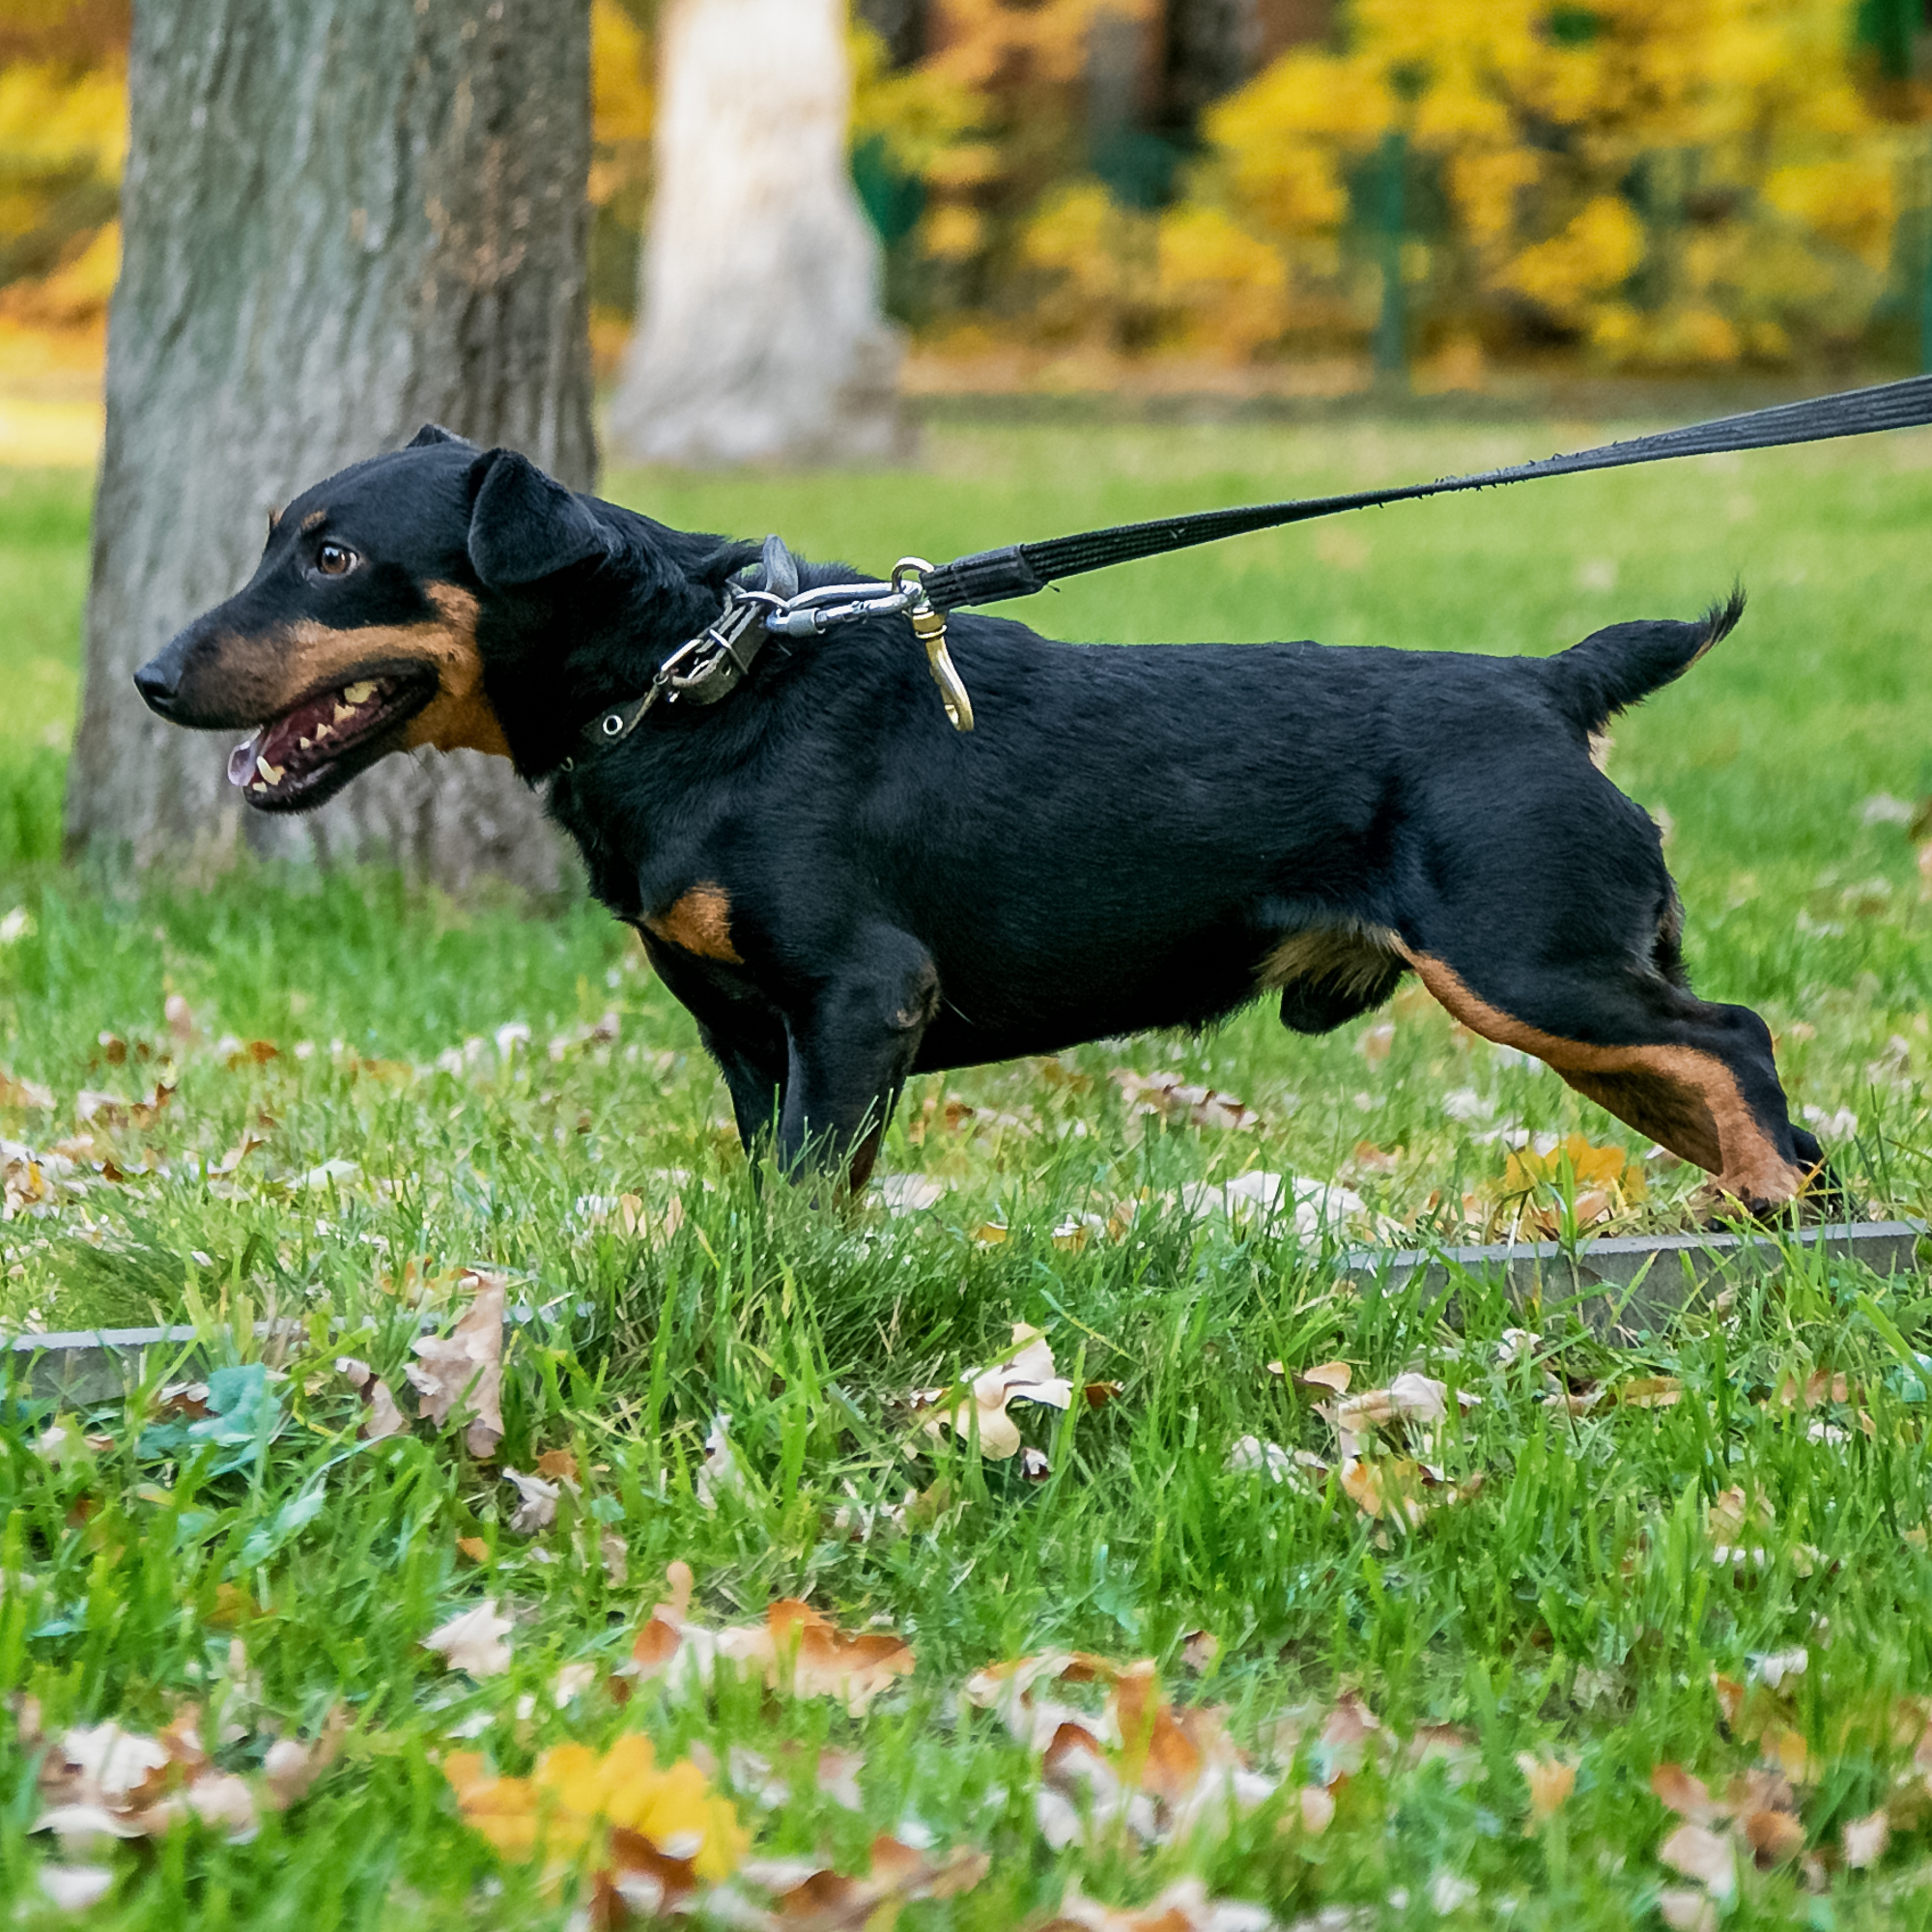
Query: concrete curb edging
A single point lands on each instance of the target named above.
(1635, 1281)
(1622, 1280)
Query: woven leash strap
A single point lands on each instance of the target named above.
(990, 577)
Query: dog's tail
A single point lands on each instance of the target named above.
(1615, 667)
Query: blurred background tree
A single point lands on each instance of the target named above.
(1637, 185)
(759, 336)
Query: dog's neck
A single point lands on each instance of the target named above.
(558, 652)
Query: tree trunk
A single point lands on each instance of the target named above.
(761, 339)
(1212, 46)
(341, 220)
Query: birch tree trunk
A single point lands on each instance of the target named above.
(760, 338)
(341, 220)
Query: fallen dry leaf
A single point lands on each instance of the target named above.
(1411, 1400)
(290, 1767)
(1820, 1386)
(1166, 1097)
(794, 1648)
(718, 1474)
(1550, 1782)
(77, 1888)
(1865, 1839)
(824, 1900)
(536, 1503)
(1384, 1488)
(474, 1641)
(1686, 1911)
(1646, 1392)
(101, 1781)
(652, 1836)
(29, 1095)
(1333, 1375)
(1140, 1763)
(1710, 1858)
(1184, 1906)
(1773, 1836)
(467, 1366)
(1026, 1374)
(1590, 1166)
(381, 1416)
(1689, 1797)
(1198, 1649)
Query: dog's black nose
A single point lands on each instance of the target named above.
(156, 683)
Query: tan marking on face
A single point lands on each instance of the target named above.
(275, 669)
(314, 520)
(1687, 1100)
(1354, 959)
(700, 923)
(460, 716)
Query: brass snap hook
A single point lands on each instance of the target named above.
(928, 626)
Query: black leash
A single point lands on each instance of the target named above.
(992, 575)
(714, 663)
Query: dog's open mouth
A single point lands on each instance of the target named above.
(311, 752)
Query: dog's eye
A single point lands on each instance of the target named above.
(334, 560)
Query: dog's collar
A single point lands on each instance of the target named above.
(715, 663)
(707, 669)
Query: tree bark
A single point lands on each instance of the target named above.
(1212, 46)
(341, 220)
(761, 339)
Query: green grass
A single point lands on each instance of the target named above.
(1572, 1606)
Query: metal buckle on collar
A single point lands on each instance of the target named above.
(724, 651)
(712, 664)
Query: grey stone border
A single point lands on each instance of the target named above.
(1621, 1282)
(1638, 1281)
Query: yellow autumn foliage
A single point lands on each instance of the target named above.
(1677, 183)
(620, 75)
(922, 113)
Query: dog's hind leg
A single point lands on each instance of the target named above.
(852, 1046)
(1696, 1076)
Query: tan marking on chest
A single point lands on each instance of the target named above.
(700, 922)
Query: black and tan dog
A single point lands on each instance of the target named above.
(845, 891)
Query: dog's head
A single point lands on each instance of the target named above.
(408, 601)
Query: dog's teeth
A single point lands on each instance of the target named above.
(343, 711)
(359, 694)
(272, 774)
(307, 744)
(324, 729)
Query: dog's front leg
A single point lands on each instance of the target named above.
(742, 1030)
(852, 1046)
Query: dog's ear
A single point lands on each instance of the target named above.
(434, 433)
(524, 527)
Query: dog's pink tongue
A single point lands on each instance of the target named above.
(241, 759)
